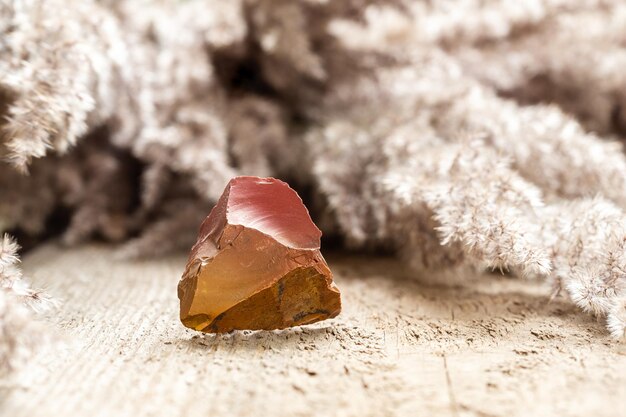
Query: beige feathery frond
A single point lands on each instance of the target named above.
(18, 307)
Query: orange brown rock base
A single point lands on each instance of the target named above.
(300, 297)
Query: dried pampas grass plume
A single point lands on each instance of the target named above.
(18, 304)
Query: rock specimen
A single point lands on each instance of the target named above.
(256, 263)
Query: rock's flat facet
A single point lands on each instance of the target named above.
(256, 264)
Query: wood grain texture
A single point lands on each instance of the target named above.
(493, 348)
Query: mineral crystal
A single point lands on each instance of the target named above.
(257, 263)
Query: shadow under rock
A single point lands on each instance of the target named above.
(255, 340)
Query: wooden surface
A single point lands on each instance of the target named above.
(494, 348)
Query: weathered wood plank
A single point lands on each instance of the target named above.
(496, 347)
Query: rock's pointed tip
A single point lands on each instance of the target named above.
(272, 207)
(257, 264)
